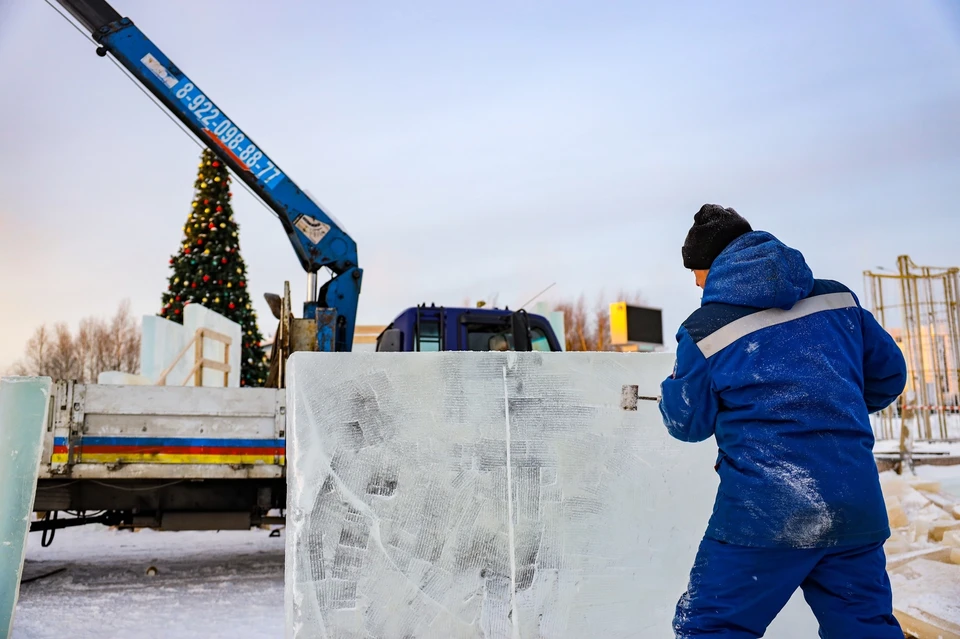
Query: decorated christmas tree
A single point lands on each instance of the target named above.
(208, 269)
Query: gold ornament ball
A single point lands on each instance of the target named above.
(200, 166)
(204, 300)
(203, 185)
(206, 210)
(216, 300)
(206, 252)
(194, 204)
(229, 285)
(216, 179)
(176, 280)
(222, 225)
(239, 271)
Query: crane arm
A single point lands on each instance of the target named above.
(316, 236)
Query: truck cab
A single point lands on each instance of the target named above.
(435, 328)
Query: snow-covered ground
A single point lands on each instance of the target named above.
(208, 584)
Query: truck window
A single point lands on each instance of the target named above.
(486, 337)
(539, 341)
(428, 339)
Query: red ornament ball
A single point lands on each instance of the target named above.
(199, 240)
(206, 278)
(223, 260)
(219, 209)
(193, 285)
(206, 201)
(186, 250)
(242, 283)
(171, 260)
(176, 311)
(231, 305)
(177, 298)
(212, 225)
(215, 163)
(229, 194)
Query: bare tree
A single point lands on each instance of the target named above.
(85, 344)
(587, 328)
(64, 362)
(99, 345)
(123, 339)
(36, 354)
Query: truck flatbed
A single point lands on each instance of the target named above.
(165, 457)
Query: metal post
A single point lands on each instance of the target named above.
(953, 330)
(311, 287)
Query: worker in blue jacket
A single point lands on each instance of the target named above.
(783, 370)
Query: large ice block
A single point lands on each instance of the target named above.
(116, 378)
(162, 340)
(198, 316)
(495, 495)
(23, 415)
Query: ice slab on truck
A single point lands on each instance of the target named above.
(163, 340)
(23, 416)
(400, 522)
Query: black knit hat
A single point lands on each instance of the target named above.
(714, 227)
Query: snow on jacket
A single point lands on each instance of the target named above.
(783, 370)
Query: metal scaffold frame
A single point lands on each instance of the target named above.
(929, 334)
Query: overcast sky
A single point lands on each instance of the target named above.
(488, 147)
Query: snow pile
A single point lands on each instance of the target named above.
(923, 554)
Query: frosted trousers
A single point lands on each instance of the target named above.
(735, 591)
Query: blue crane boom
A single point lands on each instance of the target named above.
(317, 238)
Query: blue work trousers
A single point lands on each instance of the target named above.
(736, 591)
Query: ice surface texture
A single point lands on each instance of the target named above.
(23, 413)
(400, 522)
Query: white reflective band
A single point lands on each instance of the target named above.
(719, 340)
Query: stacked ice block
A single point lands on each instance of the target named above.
(23, 414)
